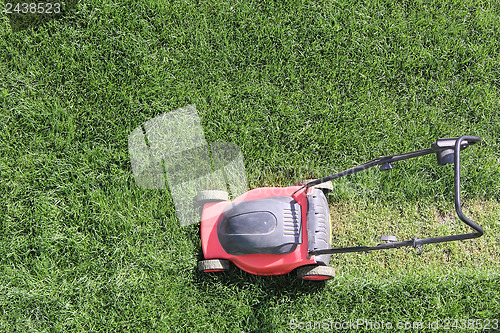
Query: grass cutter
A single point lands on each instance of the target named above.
(275, 230)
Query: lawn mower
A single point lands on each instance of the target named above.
(275, 230)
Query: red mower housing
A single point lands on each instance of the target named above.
(268, 231)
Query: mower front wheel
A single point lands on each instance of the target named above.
(315, 273)
(213, 265)
(326, 187)
(210, 196)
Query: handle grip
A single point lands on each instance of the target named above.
(458, 205)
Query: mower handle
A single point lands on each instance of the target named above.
(447, 151)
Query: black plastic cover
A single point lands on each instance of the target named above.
(445, 149)
(265, 226)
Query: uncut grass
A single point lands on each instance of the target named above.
(305, 90)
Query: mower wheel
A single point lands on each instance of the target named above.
(210, 196)
(213, 265)
(326, 187)
(315, 273)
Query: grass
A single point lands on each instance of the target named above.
(305, 89)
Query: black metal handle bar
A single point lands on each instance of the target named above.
(442, 148)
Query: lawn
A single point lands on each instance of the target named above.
(305, 89)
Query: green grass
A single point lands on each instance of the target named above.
(305, 89)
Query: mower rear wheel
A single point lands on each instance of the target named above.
(210, 196)
(315, 273)
(326, 187)
(213, 265)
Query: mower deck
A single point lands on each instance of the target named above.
(273, 262)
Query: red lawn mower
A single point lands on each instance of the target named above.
(274, 230)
